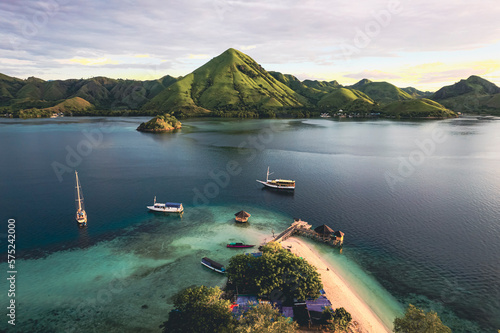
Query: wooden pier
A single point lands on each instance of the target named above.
(302, 228)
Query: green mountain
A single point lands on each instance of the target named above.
(313, 95)
(9, 86)
(474, 94)
(417, 108)
(73, 105)
(350, 100)
(103, 93)
(312, 90)
(233, 84)
(415, 93)
(382, 92)
(231, 81)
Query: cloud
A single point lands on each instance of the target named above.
(16, 62)
(198, 56)
(373, 74)
(295, 36)
(452, 72)
(90, 62)
(247, 47)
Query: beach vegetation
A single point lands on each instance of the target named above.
(337, 320)
(200, 310)
(277, 274)
(417, 320)
(264, 318)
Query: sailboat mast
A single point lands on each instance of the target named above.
(267, 176)
(78, 192)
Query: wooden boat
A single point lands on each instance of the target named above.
(280, 184)
(167, 207)
(81, 215)
(239, 245)
(213, 265)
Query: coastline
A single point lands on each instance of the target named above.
(337, 290)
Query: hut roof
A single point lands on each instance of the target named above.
(324, 230)
(242, 214)
(339, 233)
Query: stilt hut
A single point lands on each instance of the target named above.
(324, 231)
(242, 216)
(339, 235)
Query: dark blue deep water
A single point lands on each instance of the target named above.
(419, 203)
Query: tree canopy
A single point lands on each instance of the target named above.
(417, 320)
(338, 320)
(277, 274)
(199, 310)
(263, 318)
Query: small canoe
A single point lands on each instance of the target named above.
(239, 245)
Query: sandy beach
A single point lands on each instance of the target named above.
(337, 290)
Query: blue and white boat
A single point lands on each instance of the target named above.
(167, 207)
(213, 265)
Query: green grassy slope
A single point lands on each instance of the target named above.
(9, 86)
(417, 108)
(230, 81)
(74, 105)
(341, 99)
(415, 93)
(472, 95)
(382, 92)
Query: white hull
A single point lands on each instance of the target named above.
(168, 207)
(212, 268)
(81, 215)
(165, 209)
(281, 187)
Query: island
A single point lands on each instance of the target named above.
(160, 124)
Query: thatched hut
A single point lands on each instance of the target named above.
(242, 216)
(324, 231)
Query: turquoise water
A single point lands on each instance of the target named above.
(429, 238)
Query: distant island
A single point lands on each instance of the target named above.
(234, 85)
(160, 124)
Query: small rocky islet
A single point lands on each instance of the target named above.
(160, 124)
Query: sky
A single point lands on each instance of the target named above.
(422, 43)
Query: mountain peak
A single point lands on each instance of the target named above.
(474, 84)
(232, 53)
(361, 83)
(231, 81)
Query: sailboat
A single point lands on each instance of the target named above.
(81, 215)
(282, 184)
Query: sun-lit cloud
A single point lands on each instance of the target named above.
(302, 38)
(90, 61)
(375, 74)
(10, 61)
(247, 47)
(198, 56)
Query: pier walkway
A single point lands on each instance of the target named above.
(302, 228)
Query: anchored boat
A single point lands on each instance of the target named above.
(239, 245)
(167, 207)
(81, 215)
(213, 265)
(281, 184)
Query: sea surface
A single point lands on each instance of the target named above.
(418, 201)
